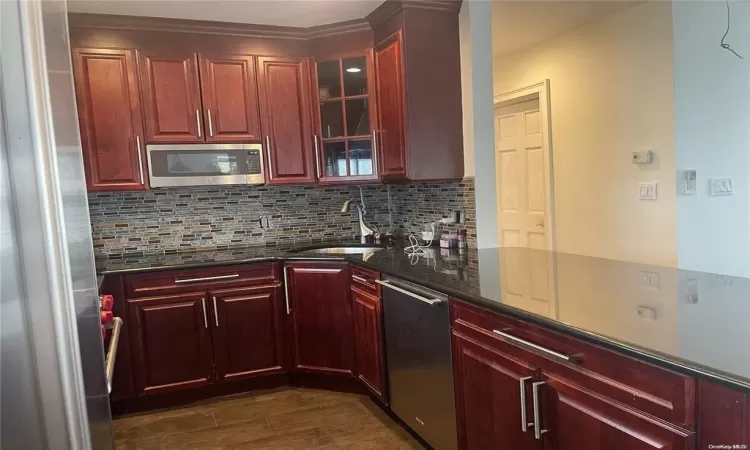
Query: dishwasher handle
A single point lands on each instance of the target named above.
(430, 301)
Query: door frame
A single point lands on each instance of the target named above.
(540, 90)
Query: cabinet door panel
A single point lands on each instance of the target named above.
(579, 420)
(322, 317)
(109, 112)
(284, 88)
(248, 332)
(230, 98)
(488, 398)
(368, 331)
(170, 342)
(171, 98)
(390, 90)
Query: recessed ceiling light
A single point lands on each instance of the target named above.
(354, 70)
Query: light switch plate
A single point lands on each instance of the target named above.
(721, 186)
(650, 280)
(648, 190)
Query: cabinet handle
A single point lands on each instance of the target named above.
(205, 317)
(360, 279)
(216, 313)
(375, 151)
(198, 122)
(524, 420)
(210, 124)
(569, 358)
(538, 431)
(268, 152)
(286, 291)
(140, 158)
(195, 280)
(317, 155)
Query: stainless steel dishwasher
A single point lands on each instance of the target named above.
(418, 354)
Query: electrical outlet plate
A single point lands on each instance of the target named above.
(645, 157)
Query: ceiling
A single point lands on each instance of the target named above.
(519, 24)
(294, 13)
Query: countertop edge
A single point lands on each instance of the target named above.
(650, 356)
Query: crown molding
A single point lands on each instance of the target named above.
(389, 8)
(138, 23)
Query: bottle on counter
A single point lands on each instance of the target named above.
(462, 240)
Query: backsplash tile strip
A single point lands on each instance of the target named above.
(174, 220)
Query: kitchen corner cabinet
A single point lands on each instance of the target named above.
(170, 342)
(368, 339)
(284, 88)
(109, 115)
(248, 332)
(418, 84)
(321, 312)
(345, 118)
(391, 112)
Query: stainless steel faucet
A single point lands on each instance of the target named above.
(365, 229)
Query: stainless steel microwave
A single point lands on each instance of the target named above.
(205, 164)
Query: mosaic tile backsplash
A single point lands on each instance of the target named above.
(194, 218)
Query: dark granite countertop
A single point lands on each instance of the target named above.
(692, 322)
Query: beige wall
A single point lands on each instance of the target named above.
(611, 90)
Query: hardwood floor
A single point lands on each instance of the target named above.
(287, 418)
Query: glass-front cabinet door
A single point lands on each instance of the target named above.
(345, 141)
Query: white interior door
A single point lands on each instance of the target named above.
(523, 184)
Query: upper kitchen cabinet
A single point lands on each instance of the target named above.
(194, 98)
(230, 98)
(418, 83)
(171, 97)
(345, 119)
(284, 88)
(109, 114)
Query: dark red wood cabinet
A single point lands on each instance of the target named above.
(170, 342)
(109, 114)
(572, 403)
(723, 417)
(321, 311)
(284, 88)
(194, 98)
(345, 117)
(418, 76)
(248, 332)
(230, 98)
(489, 388)
(171, 97)
(576, 417)
(368, 339)
(390, 89)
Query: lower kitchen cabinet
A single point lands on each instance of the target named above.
(493, 401)
(368, 339)
(321, 312)
(248, 332)
(577, 418)
(170, 342)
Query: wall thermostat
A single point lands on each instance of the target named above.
(643, 157)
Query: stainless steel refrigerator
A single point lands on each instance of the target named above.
(53, 392)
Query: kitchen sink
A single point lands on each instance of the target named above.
(339, 250)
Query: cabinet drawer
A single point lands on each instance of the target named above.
(657, 391)
(177, 281)
(364, 279)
